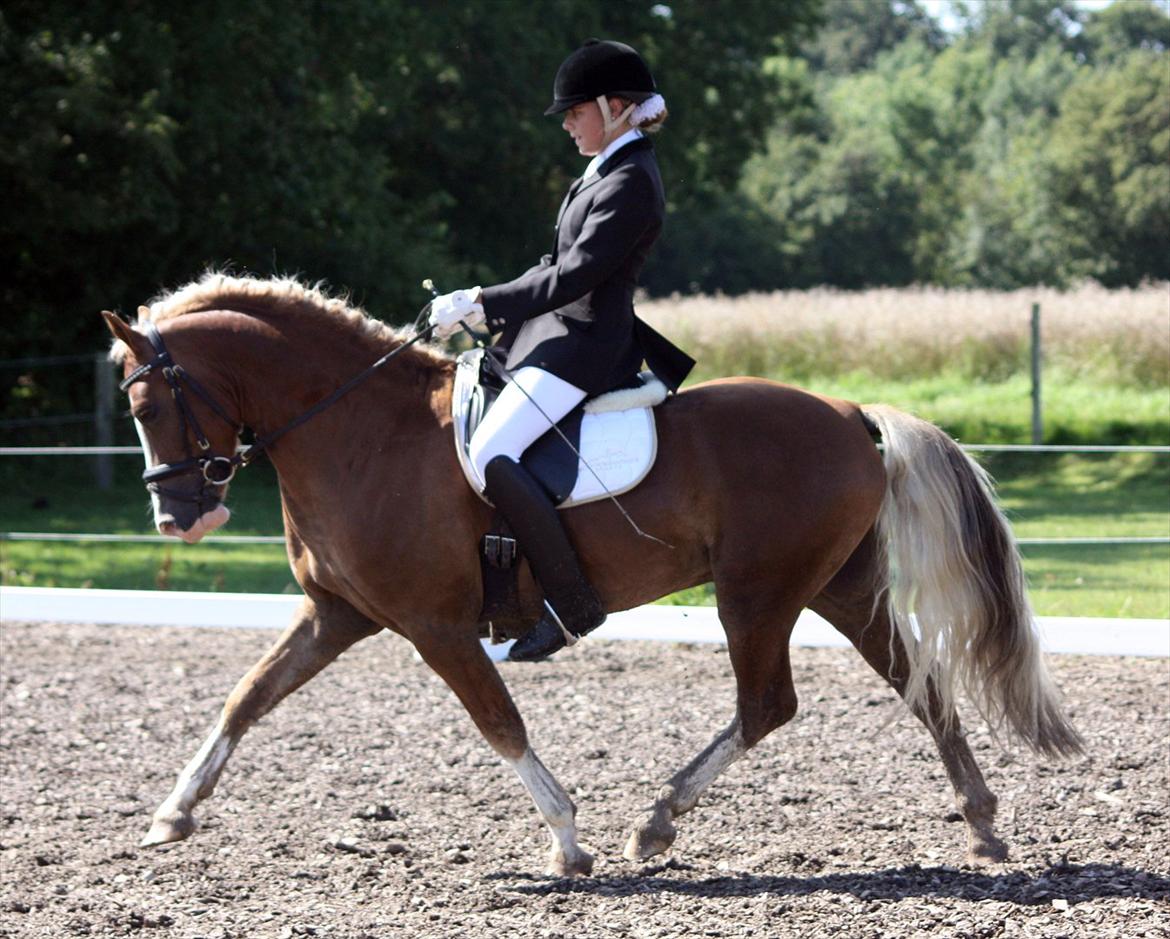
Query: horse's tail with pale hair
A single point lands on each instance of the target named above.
(956, 594)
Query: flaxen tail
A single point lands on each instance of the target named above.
(956, 590)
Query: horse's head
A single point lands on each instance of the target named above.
(187, 438)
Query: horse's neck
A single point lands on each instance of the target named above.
(283, 371)
(379, 428)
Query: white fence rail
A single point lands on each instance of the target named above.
(79, 537)
(1077, 635)
(974, 447)
(1059, 634)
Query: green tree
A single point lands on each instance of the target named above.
(1011, 157)
(1006, 233)
(1020, 27)
(855, 32)
(854, 188)
(369, 143)
(1110, 157)
(1112, 32)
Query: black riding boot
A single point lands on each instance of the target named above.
(572, 608)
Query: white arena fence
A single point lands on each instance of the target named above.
(1077, 635)
(279, 539)
(689, 624)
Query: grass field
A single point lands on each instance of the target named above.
(959, 359)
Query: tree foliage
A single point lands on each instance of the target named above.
(856, 32)
(371, 143)
(1032, 149)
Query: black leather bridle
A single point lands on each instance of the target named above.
(217, 471)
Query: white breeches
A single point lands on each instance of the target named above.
(514, 422)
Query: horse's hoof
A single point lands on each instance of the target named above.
(173, 826)
(580, 865)
(649, 839)
(987, 851)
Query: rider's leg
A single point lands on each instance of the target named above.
(524, 411)
(520, 415)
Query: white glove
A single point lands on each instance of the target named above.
(451, 309)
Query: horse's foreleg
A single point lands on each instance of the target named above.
(566, 856)
(318, 635)
(462, 663)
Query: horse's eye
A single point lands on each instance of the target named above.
(144, 414)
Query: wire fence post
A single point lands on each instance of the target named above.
(1037, 416)
(103, 420)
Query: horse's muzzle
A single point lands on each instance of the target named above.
(203, 525)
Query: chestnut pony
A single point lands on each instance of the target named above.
(778, 496)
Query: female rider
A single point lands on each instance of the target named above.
(567, 325)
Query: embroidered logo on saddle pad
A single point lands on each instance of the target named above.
(614, 433)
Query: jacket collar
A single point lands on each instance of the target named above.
(580, 185)
(641, 143)
(611, 163)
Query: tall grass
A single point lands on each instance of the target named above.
(1115, 337)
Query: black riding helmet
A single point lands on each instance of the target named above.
(601, 67)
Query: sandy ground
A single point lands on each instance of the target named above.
(368, 806)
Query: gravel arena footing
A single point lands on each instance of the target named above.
(368, 806)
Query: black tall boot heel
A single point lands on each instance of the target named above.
(572, 607)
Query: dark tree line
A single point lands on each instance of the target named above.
(367, 142)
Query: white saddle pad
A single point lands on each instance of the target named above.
(617, 446)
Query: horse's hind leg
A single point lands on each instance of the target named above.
(765, 699)
(320, 632)
(681, 793)
(848, 602)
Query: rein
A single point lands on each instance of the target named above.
(215, 470)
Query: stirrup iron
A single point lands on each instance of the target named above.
(570, 638)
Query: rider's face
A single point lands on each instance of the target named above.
(584, 124)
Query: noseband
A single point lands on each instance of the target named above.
(216, 471)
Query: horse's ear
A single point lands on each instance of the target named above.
(122, 330)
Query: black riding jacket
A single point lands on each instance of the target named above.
(573, 313)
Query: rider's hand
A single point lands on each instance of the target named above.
(451, 309)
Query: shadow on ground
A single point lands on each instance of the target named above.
(1074, 883)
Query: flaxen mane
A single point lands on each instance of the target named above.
(279, 296)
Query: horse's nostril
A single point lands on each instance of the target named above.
(168, 527)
